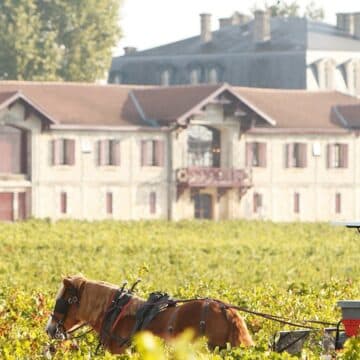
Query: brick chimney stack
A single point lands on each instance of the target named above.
(130, 50)
(262, 31)
(205, 25)
(235, 19)
(345, 22)
(356, 17)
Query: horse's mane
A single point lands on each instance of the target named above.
(97, 296)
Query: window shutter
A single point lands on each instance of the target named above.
(330, 156)
(109, 203)
(159, 152)
(262, 154)
(344, 155)
(152, 202)
(56, 151)
(143, 152)
(115, 152)
(257, 202)
(69, 145)
(337, 203)
(296, 202)
(102, 152)
(63, 202)
(303, 155)
(249, 154)
(289, 155)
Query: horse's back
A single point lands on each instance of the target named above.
(206, 318)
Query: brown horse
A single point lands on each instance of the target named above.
(81, 301)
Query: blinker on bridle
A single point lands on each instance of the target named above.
(62, 307)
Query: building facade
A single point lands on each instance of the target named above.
(208, 151)
(263, 52)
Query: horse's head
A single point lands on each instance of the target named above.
(66, 312)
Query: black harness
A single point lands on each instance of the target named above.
(62, 307)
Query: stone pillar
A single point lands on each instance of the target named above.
(262, 31)
(205, 25)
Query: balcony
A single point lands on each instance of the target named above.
(213, 177)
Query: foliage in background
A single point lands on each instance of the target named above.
(285, 8)
(67, 40)
(295, 270)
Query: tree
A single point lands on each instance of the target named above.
(69, 40)
(285, 8)
(26, 51)
(312, 11)
(87, 30)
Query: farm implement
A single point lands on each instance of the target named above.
(334, 335)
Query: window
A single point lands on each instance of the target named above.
(165, 78)
(63, 152)
(152, 153)
(109, 153)
(296, 155)
(13, 150)
(152, 202)
(63, 203)
(337, 155)
(256, 154)
(109, 203)
(195, 76)
(213, 76)
(296, 203)
(257, 202)
(338, 203)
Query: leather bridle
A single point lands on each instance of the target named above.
(62, 307)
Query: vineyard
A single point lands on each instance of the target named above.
(296, 270)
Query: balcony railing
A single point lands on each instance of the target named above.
(213, 177)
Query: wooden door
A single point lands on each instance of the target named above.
(6, 207)
(203, 206)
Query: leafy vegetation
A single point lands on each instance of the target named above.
(58, 39)
(295, 270)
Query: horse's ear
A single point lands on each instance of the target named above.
(67, 282)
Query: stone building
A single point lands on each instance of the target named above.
(290, 53)
(198, 151)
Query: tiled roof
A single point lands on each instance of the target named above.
(298, 108)
(350, 115)
(90, 105)
(77, 103)
(167, 104)
(6, 96)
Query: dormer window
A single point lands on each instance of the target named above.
(213, 76)
(325, 69)
(195, 76)
(352, 73)
(167, 73)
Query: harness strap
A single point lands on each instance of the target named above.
(172, 321)
(204, 311)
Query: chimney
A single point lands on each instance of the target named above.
(225, 22)
(205, 23)
(130, 50)
(236, 19)
(345, 22)
(261, 30)
(356, 17)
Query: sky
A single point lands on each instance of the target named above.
(149, 23)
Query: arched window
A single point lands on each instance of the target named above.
(203, 146)
(13, 150)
